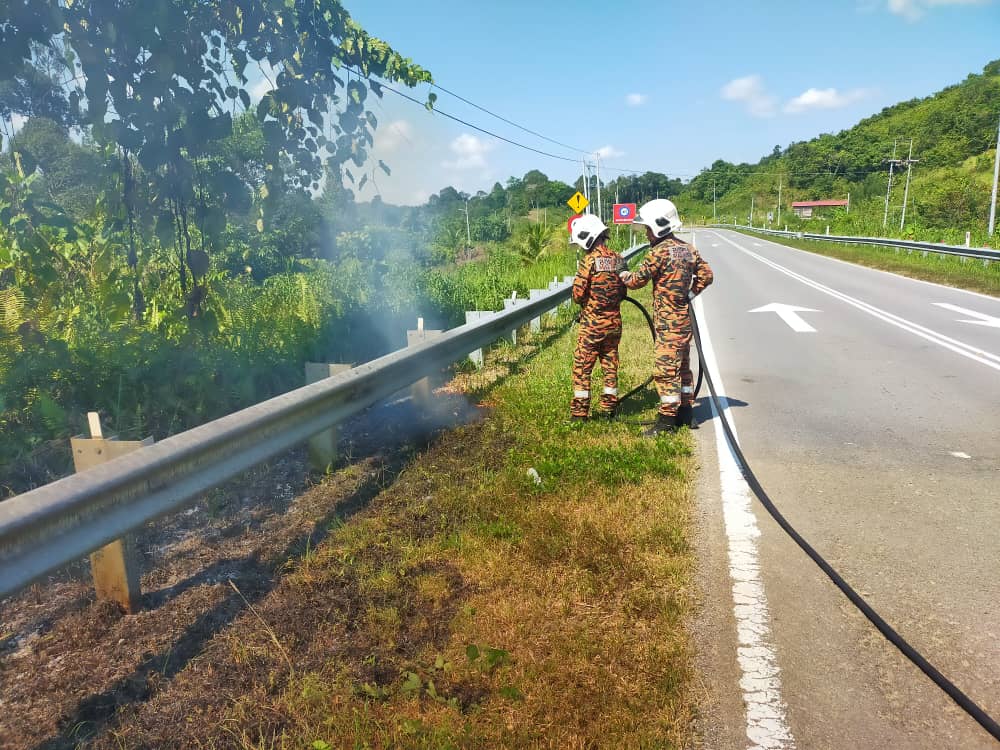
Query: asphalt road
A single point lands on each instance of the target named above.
(877, 433)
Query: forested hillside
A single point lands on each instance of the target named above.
(954, 136)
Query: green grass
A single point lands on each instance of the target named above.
(969, 274)
(475, 608)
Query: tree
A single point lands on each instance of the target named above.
(162, 86)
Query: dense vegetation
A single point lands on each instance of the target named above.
(954, 137)
(172, 250)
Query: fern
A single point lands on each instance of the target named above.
(12, 305)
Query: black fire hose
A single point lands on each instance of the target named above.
(645, 383)
(964, 702)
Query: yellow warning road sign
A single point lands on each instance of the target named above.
(578, 202)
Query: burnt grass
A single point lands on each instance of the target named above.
(76, 672)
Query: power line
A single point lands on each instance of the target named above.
(380, 84)
(739, 173)
(490, 133)
(509, 122)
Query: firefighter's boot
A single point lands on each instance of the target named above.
(685, 416)
(662, 425)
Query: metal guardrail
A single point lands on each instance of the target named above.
(931, 247)
(46, 528)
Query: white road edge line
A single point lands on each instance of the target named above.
(959, 347)
(760, 682)
(879, 270)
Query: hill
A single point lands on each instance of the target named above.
(953, 132)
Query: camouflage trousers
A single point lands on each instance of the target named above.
(595, 344)
(672, 370)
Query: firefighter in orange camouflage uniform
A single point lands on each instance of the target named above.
(678, 274)
(599, 291)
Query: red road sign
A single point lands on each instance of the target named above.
(569, 224)
(623, 213)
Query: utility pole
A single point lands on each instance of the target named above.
(910, 161)
(468, 231)
(586, 183)
(892, 165)
(779, 199)
(996, 178)
(600, 212)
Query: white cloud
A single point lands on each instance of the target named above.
(393, 136)
(609, 152)
(750, 92)
(636, 100)
(814, 98)
(470, 153)
(914, 10)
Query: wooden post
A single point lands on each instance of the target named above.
(421, 390)
(115, 567)
(323, 445)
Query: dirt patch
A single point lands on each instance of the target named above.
(69, 664)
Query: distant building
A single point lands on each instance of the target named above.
(804, 209)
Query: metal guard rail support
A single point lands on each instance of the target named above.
(46, 528)
(932, 247)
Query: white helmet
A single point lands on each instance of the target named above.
(584, 230)
(660, 215)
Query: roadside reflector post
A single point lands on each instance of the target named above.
(968, 239)
(115, 566)
(323, 445)
(827, 230)
(474, 316)
(421, 390)
(536, 323)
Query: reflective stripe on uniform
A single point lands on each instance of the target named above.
(610, 391)
(687, 389)
(581, 394)
(671, 399)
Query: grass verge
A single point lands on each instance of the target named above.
(469, 606)
(969, 273)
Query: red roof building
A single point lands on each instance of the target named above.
(805, 208)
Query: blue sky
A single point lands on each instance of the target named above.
(663, 86)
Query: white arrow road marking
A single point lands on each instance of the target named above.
(789, 314)
(959, 347)
(766, 713)
(983, 319)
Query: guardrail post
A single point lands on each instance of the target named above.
(421, 390)
(568, 280)
(536, 323)
(115, 566)
(509, 304)
(474, 316)
(323, 445)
